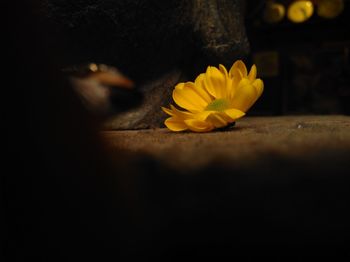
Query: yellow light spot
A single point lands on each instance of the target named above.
(274, 12)
(300, 11)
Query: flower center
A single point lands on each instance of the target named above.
(218, 105)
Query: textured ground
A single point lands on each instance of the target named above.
(252, 140)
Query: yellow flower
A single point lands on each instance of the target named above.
(215, 99)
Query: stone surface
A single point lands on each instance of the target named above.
(146, 38)
(251, 142)
(149, 113)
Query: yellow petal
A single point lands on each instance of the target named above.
(198, 126)
(181, 114)
(206, 116)
(259, 86)
(232, 87)
(237, 67)
(223, 70)
(202, 116)
(229, 85)
(235, 81)
(168, 111)
(199, 86)
(189, 89)
(186, 98)
(234, 114)
(245, 96)
(252, 73)
(217, 120)
(175, 124)
(225, 117)
(177, 113)
(215, 82)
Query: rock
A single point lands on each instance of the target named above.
(149, 114)
(148, 40)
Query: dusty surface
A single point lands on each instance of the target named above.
(252, 139)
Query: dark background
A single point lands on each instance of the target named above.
(309, 62)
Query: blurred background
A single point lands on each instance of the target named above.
(302, 51)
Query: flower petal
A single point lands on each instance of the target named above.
(259, 86)
(235, 81)
(231, 87)
(199, 85)
(234, 114)
(168, 111)
(223, 70)
(237, 67)
(217, 120)
(175, 124)
(198, 126)
(225, 117)
(252, 73)
(215, 82)
(245, 96)
(181, 114)
(202, 116)
(186, 98)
